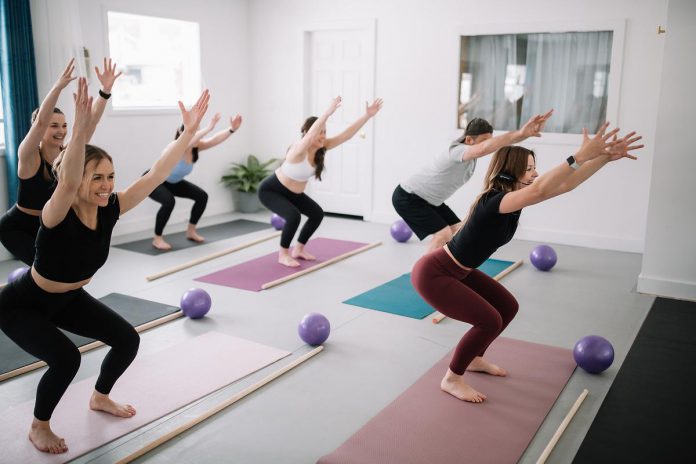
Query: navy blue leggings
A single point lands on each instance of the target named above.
(18, 234)
(32, 317)
(165, 194)
(466, 295)
(290, 205)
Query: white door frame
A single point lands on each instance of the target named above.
(370, 27)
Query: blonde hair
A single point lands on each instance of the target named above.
(92, 152)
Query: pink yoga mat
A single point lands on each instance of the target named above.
(251, 275)
(155, 385)
(426, 425)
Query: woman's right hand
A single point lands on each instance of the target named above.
(192, 118)
(335, 103)
(83, 105)
(593, 147)
(67, 76)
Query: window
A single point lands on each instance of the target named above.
(508, 78)
(160, 60)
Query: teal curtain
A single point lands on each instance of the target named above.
(18, 74)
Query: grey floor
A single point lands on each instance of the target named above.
(370, 357)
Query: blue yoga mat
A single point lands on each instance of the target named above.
(399, 297)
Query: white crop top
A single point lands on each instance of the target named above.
(300, 172)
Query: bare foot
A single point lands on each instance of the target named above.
(481, 365)
(159, 243)
(454, 385)
(192, 235)
(43, 438)
(285, 259)
(299, 252)
(101, 402)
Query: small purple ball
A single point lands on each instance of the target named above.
(400, 231)
(314, 329)
(195, 303)
(543, 257)
(277, 222)
(593, 353)
(17, 273)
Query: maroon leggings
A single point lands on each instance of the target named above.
(467, 295)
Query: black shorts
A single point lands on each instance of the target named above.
(422, 217)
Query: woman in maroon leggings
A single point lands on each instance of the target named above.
(448, 279)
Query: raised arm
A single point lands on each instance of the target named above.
(370, 111)
(72, 164)
(297, 150)
(532, 128)
(28, 161)
(106, 79)
(222, 135)
(143, 186)
(555, 182)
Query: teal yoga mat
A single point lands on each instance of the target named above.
(399, 297)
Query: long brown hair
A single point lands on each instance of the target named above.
(320, 154)
(507, 165)
(92, 153)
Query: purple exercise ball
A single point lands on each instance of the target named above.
(277, 222)
(314, 329)
(400, 231)
(593, 353)
(17, 273)
(543, 257)
(195, 303)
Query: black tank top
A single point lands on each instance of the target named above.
(71, 251)
(484, 232)
(34, 192)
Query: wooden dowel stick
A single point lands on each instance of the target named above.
(562, 427)
(318, 266)
(211, 412)
(198, 261)
(501, 274)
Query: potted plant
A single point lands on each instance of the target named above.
(244, 179)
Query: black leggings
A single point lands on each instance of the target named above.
(32, 317)
(18, 234)
(289, 205)
(165, 194)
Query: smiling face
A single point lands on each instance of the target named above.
(527, 178)
(56, 132)
(97, 182)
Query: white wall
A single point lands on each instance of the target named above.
(61, 26)
(416, 66)
(669, 261)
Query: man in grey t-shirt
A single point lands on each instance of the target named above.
(420, 199)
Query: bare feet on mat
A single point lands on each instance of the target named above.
(454, 385)
(159, 243)
(481, 365)
(192, 235)
(299, 252)
(43, 438)
(101, 402)
(285, 259)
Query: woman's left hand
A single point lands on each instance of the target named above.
(108, 76)
(235, 122)
(374, 108)
(623, 146)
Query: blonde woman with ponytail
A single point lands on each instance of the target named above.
(448, 279)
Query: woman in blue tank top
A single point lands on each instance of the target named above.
(42, 144)
(176, 186)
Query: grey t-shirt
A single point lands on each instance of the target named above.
(446, 173)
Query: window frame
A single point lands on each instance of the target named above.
(616, 26)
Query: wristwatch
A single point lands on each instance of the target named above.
(572, 162)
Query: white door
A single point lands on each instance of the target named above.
(341, 62)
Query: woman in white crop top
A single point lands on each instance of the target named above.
(283, 191)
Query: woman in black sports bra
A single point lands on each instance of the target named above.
(40, 147)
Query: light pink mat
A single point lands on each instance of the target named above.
(426, 425)
(156, 385)
(251, 275)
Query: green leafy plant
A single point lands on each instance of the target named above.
(247, 177)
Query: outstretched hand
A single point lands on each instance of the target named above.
(535, 125)
(213, 121)
(593, 147)
(192, 118)
(623, 146)
(374, 108)
(108, 76)
(66, 77)
(235, 122)
(335, 103)
(83, 104)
